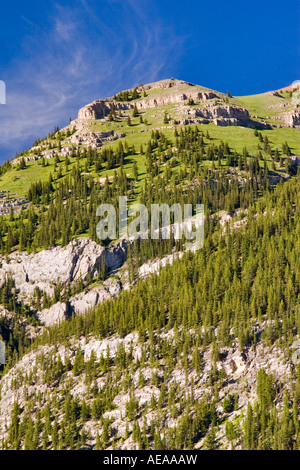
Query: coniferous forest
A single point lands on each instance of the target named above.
(198, 354)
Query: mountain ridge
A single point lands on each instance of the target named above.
(104, 353)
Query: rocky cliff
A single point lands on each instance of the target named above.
(68, 264)
(97, 109)
(63, 266)
(292, 119)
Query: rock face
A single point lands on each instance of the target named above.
(82, 302)
(176, 98)
(44, 269)
(7, 204)
(60, 266)
(183, 91)
(220, 115)
(111, 287)
(238, 115)
(94, 139)
(100, 346)
(154, 266)
(98, 108)
(226, 116)
(58, 312)
(292, 119)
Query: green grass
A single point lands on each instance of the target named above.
(18, 181)
(264, 105)
(239, 137)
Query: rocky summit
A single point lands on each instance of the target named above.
(141, 342)
(185, 102)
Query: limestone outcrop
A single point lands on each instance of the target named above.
(8, 203)
(47, 268)
(82, 302)
(227, 116)
(56, 313)
(292, 119)
(99, 108)
(94, 139)
(220, 115)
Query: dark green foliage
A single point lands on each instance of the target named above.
(242, 277)
(127, 95)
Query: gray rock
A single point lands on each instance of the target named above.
(70, 263)
(292, 119)
(82, 302)
(56, 313)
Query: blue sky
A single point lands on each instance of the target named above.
(58, 56)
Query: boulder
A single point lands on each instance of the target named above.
(58, 312)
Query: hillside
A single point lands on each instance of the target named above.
(229, 119)
(129, 344)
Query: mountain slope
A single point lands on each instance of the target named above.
(104, 353)
(202, 350)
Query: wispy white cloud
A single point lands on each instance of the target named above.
(27, 20)
(81, 57)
